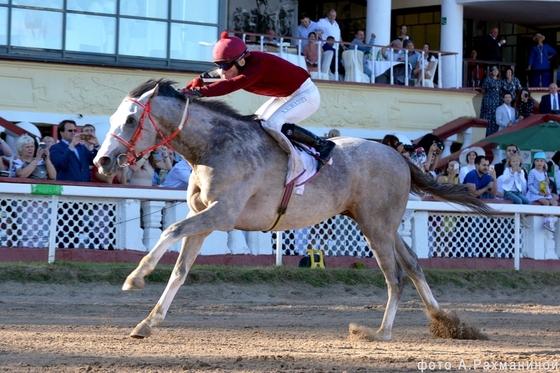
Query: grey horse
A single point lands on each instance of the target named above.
(238, 180)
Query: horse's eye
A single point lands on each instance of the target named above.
(130, 120)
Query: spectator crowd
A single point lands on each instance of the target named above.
(71, 159)
(508, 179)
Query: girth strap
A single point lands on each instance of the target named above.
(288, 191)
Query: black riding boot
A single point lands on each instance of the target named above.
(301, 135)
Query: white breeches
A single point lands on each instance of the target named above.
(291, 109)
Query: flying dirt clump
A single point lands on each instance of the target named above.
(447, 325)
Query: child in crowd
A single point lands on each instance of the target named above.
(538, 187)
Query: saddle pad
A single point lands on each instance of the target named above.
(302, 166)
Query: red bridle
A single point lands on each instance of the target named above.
(131, 154)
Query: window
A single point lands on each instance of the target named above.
(36, 29)
(158, 33)
(3, 26)
(80, 38)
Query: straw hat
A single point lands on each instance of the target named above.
(538, 36)
(463, 156)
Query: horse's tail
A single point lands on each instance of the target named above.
(457, 193)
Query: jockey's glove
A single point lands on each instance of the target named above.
(189, 93)
(195, 83)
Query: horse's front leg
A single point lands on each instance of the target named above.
(189, 251)
(176, 231)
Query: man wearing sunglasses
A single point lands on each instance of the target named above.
(294, 97)
(70, 157)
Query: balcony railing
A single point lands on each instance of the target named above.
(291, 49)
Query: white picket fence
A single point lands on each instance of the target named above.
(133, 218)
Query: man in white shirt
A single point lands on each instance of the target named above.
(330, 28)
(505, 114)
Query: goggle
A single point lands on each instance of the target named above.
(226, 65)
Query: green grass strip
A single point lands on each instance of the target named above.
(115, 273)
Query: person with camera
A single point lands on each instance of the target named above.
(433, 147)
(525, 105)
(89, 137)
(450, 174)
(491, 45)
(33, 161)
(70, 157)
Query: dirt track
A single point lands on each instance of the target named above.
(250, 328)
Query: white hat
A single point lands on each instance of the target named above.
(405, 140)
(463, 156)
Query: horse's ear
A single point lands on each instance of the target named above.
(149, 95)
(155, 90)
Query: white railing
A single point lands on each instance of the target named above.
(65, 216)
(290, 48)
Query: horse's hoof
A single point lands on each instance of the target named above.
(142, 330)
(381, 335)
(133, 283)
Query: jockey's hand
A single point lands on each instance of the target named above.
(195, 83)
(189, 93)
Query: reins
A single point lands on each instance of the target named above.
(131, 154)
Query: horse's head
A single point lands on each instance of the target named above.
(132, 133)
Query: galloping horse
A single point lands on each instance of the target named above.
(238, 180)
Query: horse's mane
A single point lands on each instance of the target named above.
(166, 89)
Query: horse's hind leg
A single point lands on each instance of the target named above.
(409, 261)
(383, 247)
(189, 252)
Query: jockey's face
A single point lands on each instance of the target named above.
(230, 73)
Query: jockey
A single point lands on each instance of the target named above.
(294, 97)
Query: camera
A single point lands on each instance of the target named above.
(42, 145)
(85, 136)
(440, 145)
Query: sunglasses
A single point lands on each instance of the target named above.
(71, 130)
(226, 65)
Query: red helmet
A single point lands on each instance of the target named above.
(229, 48)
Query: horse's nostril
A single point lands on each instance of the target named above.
(103, 161)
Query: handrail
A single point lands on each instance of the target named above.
(481, 64)
(286, 43)
(460, 125)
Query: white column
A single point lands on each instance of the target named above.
(451, 41)
(128, 232)
(237, 244)
(378, 21)
(260, 243)
(174, 212)
(151, 217)
(420, 242)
